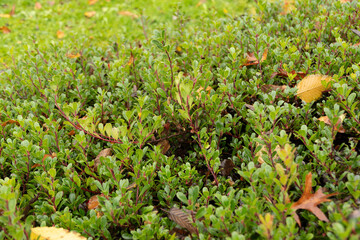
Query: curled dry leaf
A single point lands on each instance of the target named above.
(338, 126)
(208, 90)
(312, 86)
(164, 146)
(104, 153)
(90, 14)
(182, 217)
(53, 233)
(226, 167)
(252, 60)
(10, 122)
(309, 201)
(129, 14)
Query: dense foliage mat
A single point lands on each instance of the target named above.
(206, 123)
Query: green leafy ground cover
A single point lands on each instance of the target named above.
(196, 105)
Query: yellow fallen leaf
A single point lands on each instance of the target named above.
(92, 2)
(37, 5)
(312, 86)
(127, 13)
(53, 233)
(60, 34)
(90, 14)
(2, 15)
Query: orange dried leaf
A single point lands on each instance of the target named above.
(131, 60)
(252, 60)
(288, 7)
(5, 29)
(129, 14)
(309, 201)
(73, 55)
(312, 86)
(93, 202)
(60, 34)
(92, 2)
(90, 14)
(10, 122)
(37, 5)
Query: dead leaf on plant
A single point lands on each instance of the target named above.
(164, 146)
(226, 167)
(269, 87)
(104, 153)
(309, 201)
(338, 125)
(312, 86)
(182, 217)
(252, 60)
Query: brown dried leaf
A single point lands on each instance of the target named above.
(226, 167)
(338, 125)
(269, 87)
(164, 146)
(309, 201)
(312, 86)
(182, 218)
(104, 153)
